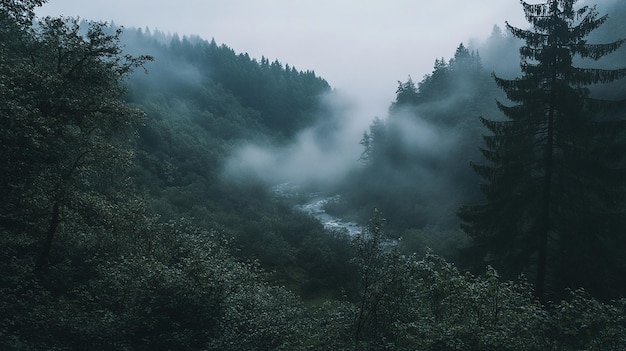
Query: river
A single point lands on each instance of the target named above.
(313, 204)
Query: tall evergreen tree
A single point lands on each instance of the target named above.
(406, 94)
(554, 186)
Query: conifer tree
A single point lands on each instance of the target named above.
(553, 184)
(406, 94)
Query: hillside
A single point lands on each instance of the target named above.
(120, 229)
(416, 161)
(202, 101)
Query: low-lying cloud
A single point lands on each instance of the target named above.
(322, 154)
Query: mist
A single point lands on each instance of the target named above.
(323, 154)
(422, 172)
(419, 172)
(421, 169)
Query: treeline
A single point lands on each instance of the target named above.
(117, 230)
(415, 163)
(201, 101)
(538, 142)
(285, 98)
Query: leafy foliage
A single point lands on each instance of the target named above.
(95, 248)
(408, 303)
(202, 101)
(61, 124)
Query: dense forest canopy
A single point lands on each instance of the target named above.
(120, 229)
(416, 160)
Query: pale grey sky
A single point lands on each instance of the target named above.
(361, 47)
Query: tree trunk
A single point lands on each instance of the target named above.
(544, 222)
(44, 256)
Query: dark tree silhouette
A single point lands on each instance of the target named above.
(554, 186)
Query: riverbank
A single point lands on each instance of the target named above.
(313, 203)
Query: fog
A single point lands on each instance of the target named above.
(361, 48)
(322, 154)
(363, 54)
(431, 146)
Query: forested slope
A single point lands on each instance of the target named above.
(202, 100)
(416, 161)
(119, 231)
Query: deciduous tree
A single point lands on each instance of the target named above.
(62, 120)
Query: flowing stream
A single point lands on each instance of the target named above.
(314, 205)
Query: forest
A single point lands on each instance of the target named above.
(491, 198)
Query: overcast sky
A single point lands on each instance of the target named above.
(361, 47)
